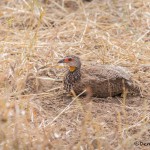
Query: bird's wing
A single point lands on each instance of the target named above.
(106, 72)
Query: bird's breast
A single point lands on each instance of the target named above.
(70, 79)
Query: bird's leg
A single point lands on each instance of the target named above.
(77, 100)
(72, 92)
(69, 94)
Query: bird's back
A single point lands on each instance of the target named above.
(103, 80)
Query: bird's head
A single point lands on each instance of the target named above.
(72, 61)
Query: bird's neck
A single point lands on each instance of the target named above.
(72, 76)
(73, 69)
(74, 72)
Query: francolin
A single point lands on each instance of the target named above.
(98, 80)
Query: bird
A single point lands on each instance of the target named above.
(98, 80)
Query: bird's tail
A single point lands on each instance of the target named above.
(134, 89)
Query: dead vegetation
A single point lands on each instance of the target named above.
(34, 113)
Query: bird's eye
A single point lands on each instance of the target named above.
(69, 59)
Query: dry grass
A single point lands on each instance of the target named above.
(34, 35)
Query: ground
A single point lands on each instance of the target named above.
(35, 113)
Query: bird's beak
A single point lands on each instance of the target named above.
(62, 61)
